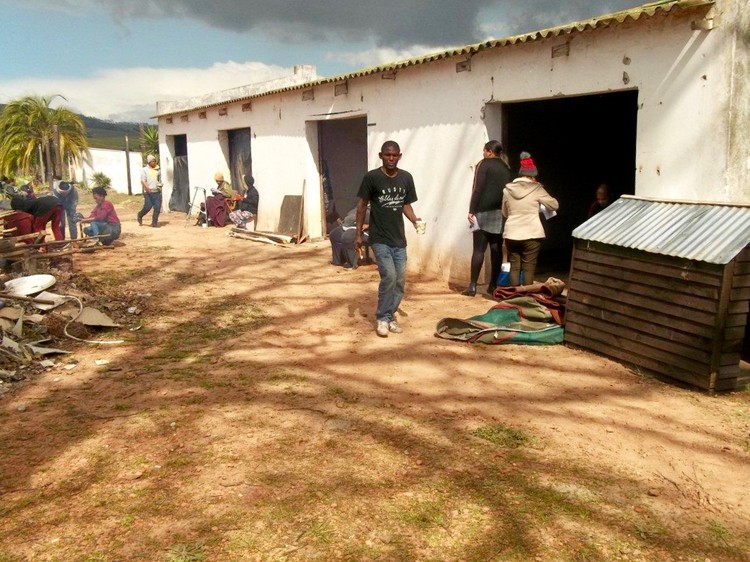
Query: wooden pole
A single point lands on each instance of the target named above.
(127, 164)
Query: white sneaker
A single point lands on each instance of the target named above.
(394, 327)
(382, 329)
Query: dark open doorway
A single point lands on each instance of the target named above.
(343, 162)
(180, 198)
(240, 157)
(577, 143)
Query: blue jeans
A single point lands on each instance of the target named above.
(392, 268)
(111, 231)
(69, 211)
(151, 200)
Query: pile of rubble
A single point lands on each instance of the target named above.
(45, 317)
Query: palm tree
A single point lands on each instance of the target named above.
(32, 134)
(149, 139)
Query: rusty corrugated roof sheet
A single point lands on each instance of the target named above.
(607, 20)
(707, 232)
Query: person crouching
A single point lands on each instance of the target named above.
(103, 220)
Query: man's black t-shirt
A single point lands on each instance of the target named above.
(387, 196)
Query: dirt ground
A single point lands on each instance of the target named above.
(253, 414)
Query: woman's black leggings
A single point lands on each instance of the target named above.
(483, 239)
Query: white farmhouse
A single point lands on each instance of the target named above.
(653, 100)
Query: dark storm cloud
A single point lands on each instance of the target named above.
(389, 23)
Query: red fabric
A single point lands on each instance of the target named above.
(105, 212)
(22, 222)
(53, 217)
(527, 165)
(216, 209)
(543, 293)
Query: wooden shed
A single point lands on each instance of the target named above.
(664, 286)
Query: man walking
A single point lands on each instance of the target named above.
(390, 193)
(151, 183)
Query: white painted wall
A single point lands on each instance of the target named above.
(683, 78)
(113, 164)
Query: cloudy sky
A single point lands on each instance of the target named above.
(113, 59)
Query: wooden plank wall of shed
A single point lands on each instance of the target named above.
(654, 312)
(737, 344)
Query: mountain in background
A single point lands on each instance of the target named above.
(109, 134)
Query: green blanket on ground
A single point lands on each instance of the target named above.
(519, 320)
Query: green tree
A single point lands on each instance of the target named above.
(149, 139)
(34, 135)
(101, 179)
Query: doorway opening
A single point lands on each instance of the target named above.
(180, 198)
(343, 162)
(577, 144)
(240, 157)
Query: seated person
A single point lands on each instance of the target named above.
(603, 200)
(45, 209)
(248, 208)
(217, 210)
(342, 240)
(333, 219)
(223, 187)
(103, 219)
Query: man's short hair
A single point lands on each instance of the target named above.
(390, 144)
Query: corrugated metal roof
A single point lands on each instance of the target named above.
(707, 232)
(608, 20)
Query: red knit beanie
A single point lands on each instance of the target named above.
(528, 168)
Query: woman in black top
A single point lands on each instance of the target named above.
(485, 214)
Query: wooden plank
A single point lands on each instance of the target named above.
(290, 215)
(695, 379)
(672, 284)
(744, 255)
(254, 238)
(740, 294)
(722, 314)
(666, 331)
(736, 320)
(667, 266)
(654, 306)
(280, 238)
(738, 307)
(637, 288)
(729, 358)
(300, 234)
(741, 281)
(742, 268)
(641, 349)
(629, 335)
(682, 323)
(735, 333)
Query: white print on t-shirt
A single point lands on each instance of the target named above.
(392, 198)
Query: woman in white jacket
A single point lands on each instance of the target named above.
(524, 232)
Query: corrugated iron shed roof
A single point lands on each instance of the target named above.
(707, 232)
(644, 11)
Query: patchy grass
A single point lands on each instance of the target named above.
(271, 453)
(503, 435)
(186, 553)
(718, 532)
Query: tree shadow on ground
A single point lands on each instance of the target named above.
(256, 416)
